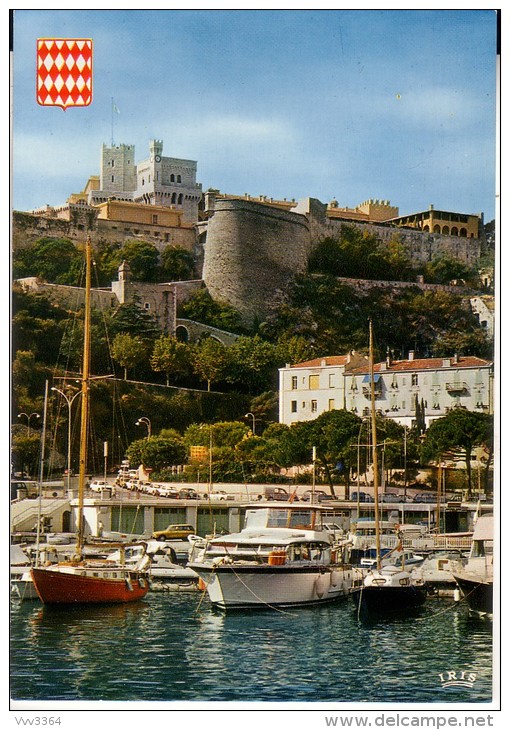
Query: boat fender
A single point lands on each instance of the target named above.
(456, 595)
(141, 582)
(322, 584)
(336, 578)
(129, 584)
(201, 585)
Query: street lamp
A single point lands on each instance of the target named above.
(250, 415)
(146, 422)
(28, 417)
(69, 400)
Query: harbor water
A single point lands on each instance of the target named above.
(174, 647)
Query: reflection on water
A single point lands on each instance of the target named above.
(175, 647)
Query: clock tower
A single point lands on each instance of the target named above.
(156, 150)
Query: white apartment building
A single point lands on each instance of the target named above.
(343, 382)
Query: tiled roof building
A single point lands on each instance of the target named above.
(343, 382)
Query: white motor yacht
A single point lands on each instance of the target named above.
(282, 557)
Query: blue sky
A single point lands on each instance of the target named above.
(396, 105)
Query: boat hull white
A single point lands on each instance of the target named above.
(23, 587)
(247, 586)
(176, 578)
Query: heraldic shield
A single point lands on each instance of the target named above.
(64, 72)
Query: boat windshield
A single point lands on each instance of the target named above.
(301, 519)
(481, 548)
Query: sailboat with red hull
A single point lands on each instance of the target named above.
(87, 580)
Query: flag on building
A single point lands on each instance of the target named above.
(64, 72)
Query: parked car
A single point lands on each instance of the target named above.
(363, 497)
(425, 497)
(170, 492)
(188, 493)
(102, 487)
(392, 497)
(219, 495)
(278, 494)
(174, 532)
(318, 494)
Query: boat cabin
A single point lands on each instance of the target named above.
(483, 538)
(290, 516)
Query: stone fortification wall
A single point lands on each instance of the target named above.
(420, 247)
(83, 221)
(366, 285)
(27, 228)
(252, 251)
(70, 297)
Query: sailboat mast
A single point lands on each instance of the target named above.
(84, 397)
(41, 477)
(375, 465)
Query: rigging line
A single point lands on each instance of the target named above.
(71, 322)
(274, 608)
(439, 613)
(132, 531)
(115, 395)
(204, 592)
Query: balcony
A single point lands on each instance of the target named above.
(368, 393)
(456, 387)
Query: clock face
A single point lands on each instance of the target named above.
(157, 158)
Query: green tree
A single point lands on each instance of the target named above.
(25, 451)
(293, 349)
(265, 409)
(252, 363)
(332, 434)
(170, 357)
(107, 259)
(210, 359)
(283, 446)
(128, 351)
(201, 307)
(56, 260)
(222, 434)
(177, 264)
(143, 260)
(459, 429)
(157, 452)
(37, 324)
(443, 269)
(133, 319)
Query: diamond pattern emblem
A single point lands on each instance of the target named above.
(64, 72)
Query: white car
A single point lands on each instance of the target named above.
(218, 495)
(101, 486)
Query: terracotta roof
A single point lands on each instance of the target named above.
(430, 363)
(321, 361)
